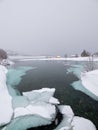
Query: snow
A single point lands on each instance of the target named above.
(80, 123)
(6, 110)
(43, 59)
(25, 57)
(81, 58)
(31, 58)
(90, 81)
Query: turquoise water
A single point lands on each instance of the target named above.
(14, 76)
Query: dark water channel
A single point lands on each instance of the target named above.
(52, 74)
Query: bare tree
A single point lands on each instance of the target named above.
(3, 55)
(90, 64)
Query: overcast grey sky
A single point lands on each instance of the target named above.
(42, 27)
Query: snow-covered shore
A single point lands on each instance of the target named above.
(90, 81)
(42, 58)
(6, 110)
(87, 82)
(34, 108)
(82, 58)
(34, 58)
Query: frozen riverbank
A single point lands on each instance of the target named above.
(42, 58)
(87, 82)
(6, 110)
(90, 81)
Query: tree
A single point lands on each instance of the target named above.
(65, 55)
(85, 53)
(90, 64)
(3, 54)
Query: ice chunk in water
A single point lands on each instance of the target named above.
(43, 94)
(20, 101)
(80, 123)
(67, 118)
(25, 122)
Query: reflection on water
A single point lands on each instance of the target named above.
(52, 74)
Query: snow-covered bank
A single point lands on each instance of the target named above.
(43, 58)
(81, 58)
(31, 58)
(90, 81)
(87, 83)
(6, 110)
(6, 62)
(34, 58)
(24, 57)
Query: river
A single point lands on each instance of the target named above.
(52, 74)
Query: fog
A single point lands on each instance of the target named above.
(49, 27)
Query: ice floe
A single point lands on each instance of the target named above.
(80, 123)
(68, 115)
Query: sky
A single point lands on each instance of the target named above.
(49, 27)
